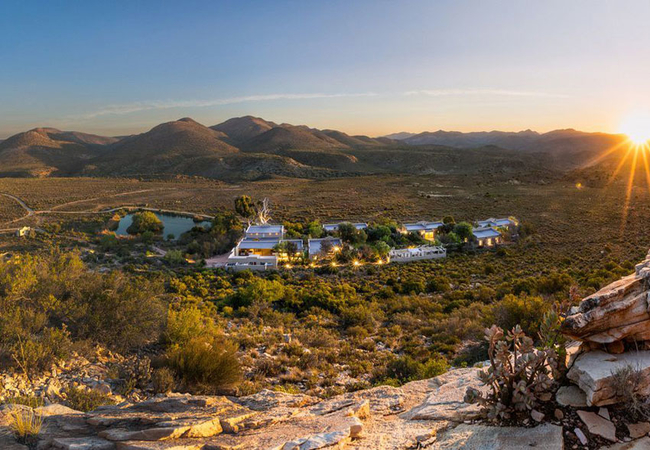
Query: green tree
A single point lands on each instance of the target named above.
(245, 207)
(463, 230)
(144, 221)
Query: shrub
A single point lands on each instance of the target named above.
(517, 377)
(25, 425)
(163, 380)
(206, 365)
(35, 354)
(434, 367)
(524, 311)
(86, 400)
(627, 382)
(26, 400)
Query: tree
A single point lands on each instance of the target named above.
(245, 207)
(351, 235)
(144, 221)
(463, 230)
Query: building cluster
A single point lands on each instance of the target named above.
(266, 247)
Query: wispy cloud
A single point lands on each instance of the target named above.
(129, 108)
(490, 92)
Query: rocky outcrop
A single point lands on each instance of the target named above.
(595, 373)
(618, 312)
(420, 414)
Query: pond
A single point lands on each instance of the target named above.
(175, 225)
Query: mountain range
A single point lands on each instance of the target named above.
(248, 148)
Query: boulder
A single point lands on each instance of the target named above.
(594, 373)
(618, 312)
(481, 437)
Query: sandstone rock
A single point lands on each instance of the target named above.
(594, 373)
(481, 437)
(638, 429)
(619, 311)
(82, 443)
(56, 410)
(317, 441)
(598, 425)
(559, 415)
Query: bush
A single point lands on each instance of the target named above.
(86, 400)
(163, 380)
(36, 354)
(206, 365)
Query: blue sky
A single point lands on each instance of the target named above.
(373, 67)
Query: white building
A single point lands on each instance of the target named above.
(265, 231)
(417, 253)
(315, 246)
(425, 229)
(487, 237)
(332, 227)
(511, 223)
(260, 248)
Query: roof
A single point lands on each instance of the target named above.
(258, 244)
(481, 233)
(268, 228)
(492, 222)
(335, 226)
(315, 244)
(422, 226)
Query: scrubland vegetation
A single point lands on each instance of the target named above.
(324, 330)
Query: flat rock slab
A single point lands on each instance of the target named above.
(593, 373)
(445, 401)
(571, 396)
(598, 425)
(82, 443)
(639, 444)
(481, 437)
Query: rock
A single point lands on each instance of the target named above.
(536, 415)
(571, 396)
(481, 437)
(604, 413)
(594, 373)
(598, 425)
(149, 434)
(82, 443)
(581, 436)
(559, 415)
(639, 444)
(619, 311)
(446, 402)
(56, 410)
(616, 347)
(638, 429)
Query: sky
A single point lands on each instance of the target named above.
(361, 66)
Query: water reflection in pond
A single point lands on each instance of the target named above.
(175, 225)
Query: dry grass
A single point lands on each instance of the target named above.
(25, 424)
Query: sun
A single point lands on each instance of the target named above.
(637, 128)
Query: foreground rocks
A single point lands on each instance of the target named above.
(618, 312)
(421, 414)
